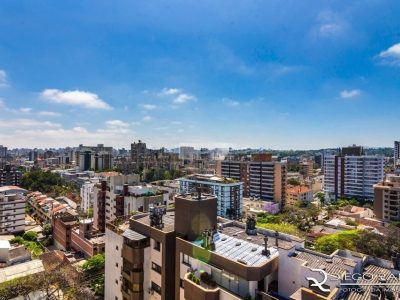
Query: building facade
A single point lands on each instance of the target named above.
(261, 177)
(10, 176)
(298, 194)
(397, 154)
(352, 174)
(97, 157)
(229, 192)
(387, 199)
(12, 210)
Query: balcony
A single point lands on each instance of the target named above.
(205, 290)
(134, 256)
(128, 294)
(133, 277)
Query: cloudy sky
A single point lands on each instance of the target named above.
(273, 74)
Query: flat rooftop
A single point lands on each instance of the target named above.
(21, 270)
(240, 233)
(240, 250)
(168, 221)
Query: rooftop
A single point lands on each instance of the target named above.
(21, 270)
(243, 251)
(211, 177)
(298, 189)
(331, 264)
(375, 272)
(168, 221)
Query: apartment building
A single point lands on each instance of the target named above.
(10, 176)
(3, 151)
(63, 223)
(387, 198)
(189, 253)
(306, 168)
(87, 195)
(12, 209)
(94, 157)
(298, 194)
(121, 195)
(44, 208)
(352, 174)
(229, 192)
(397, 154)
(262, 177)
(186, 153)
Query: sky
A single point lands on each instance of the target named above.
(262, 74)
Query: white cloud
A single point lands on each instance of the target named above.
(183, 98)
(116, 123)
(231, 102)
(330, 25)
(391, 56)
(148, 106)
(49, 113)
(77, 98)
(169, 91)
(350, 93)
(147, 118)
(25, 109)
(3, 78)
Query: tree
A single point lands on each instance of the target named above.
(341, 240)
(293, 181)
(94, 264)
(30, 236)
(47, 230)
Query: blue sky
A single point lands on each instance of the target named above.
(272, 74)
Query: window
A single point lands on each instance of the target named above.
(155, 287)
(156, 268)
(116, 247)
(116, 281)
(116, 264)
(186, 259)
(157, 246)
(181, 283)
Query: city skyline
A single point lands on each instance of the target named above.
(199, 74)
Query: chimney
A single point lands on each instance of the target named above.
(266, 252)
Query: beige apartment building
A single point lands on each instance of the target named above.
(387, 198)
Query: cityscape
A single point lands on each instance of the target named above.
(209, 150)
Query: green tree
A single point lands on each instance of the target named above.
(293, 181)
(94, 264)
(30, 236)
(341, 240)
(47, 230)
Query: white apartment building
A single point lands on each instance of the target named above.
(229, 192)
(352, 174)
(87, 195)
(12, 210)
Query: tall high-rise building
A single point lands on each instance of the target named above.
(138, 153)
(186, 153)
(97, 157)
(397, 154)
(352, 174)
(10, 176)
(262, 177)
(3, 151)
